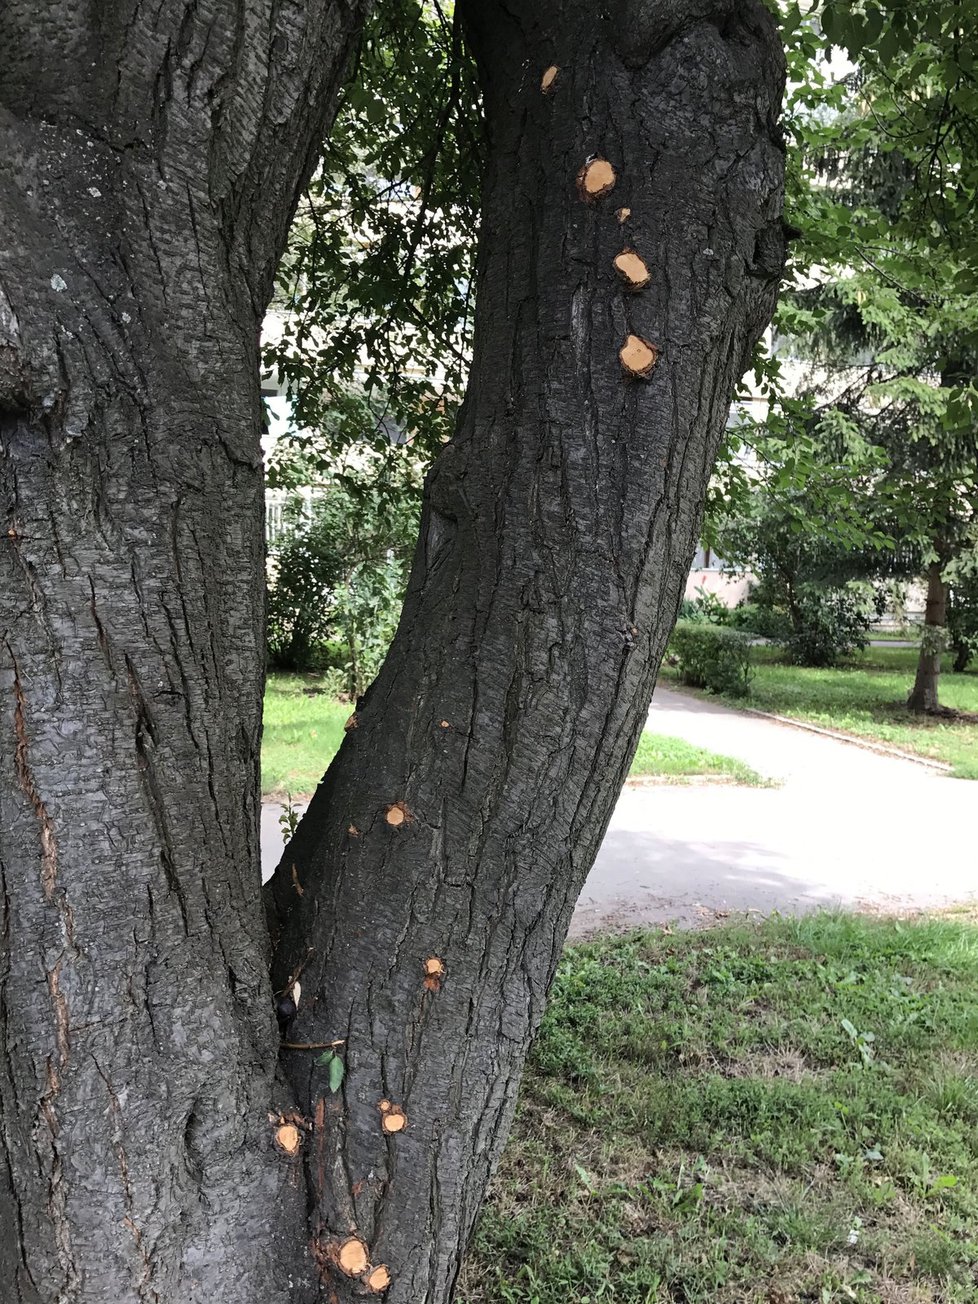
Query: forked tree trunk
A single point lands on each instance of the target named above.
(425, 898)
(924, 696)
(149, 161)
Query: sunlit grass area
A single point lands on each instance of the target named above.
(304, 728)
(769, 1114)
(867, 697)
(303, 731)
(672, 759)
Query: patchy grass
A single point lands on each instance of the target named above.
(673, 760)
(304, 728)
(867, 697)
(750, 1115)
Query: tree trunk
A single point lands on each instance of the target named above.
(150, 166)
(425, 897)
(924, 694)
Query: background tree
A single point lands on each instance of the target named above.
(882, 311)
(338, 567)
(376, 292)
(891, 334)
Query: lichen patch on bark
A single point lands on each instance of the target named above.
(638, 357)
(596, 178)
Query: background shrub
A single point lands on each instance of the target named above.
(962, 621)
(761, 621)
(706, 607)
(336, 576)
(305, 574)
(713, 656)
(828, 624)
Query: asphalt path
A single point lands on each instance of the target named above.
(845, 827)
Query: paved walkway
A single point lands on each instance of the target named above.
(847, 827)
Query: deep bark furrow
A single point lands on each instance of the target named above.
(558, 526)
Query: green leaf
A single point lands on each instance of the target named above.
(944, 1183)
(336, 1070)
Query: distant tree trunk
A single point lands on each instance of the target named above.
(924, 694)
(150, 156)
(425, 898)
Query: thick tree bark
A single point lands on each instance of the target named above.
(151, 155)
(425, 897)
(924, 696)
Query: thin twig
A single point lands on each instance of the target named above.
(313, 1045)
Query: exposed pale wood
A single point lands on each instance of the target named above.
(394, 1119)
(632, 268)
(352, 1257)
(287, 1138)
(379, 1278)
(638, 356)
(596, 178)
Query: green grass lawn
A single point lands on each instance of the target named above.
(303, 731)
(672, 759)
(762, 1114)
(867, 697)
(304, 728)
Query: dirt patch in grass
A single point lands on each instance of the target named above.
(785, 1063)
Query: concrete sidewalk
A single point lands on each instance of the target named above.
(847, 827)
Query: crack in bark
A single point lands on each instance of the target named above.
(49, 846)
(144, 1285)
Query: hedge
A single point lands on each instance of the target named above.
(713, 656)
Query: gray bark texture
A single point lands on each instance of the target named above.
(150, 156)
(924, 697)
(424, 899)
